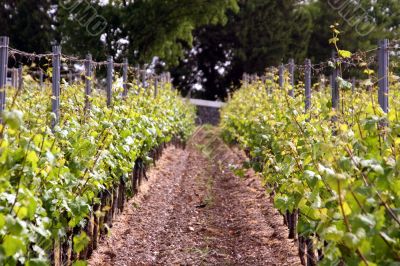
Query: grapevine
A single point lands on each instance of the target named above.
(338, 169)
(52, 179)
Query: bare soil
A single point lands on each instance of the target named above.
(196, 211)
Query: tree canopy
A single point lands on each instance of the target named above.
(141, 29)
(266, 33)
(263, 33)
(206, 44)
(362, 24)
(28, 24)
(138, 29)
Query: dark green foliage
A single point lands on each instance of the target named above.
(266, 33)
(78, 39)
(28, 24)
(361, 25)
(163, 28)
(152, 28)
(263, 33)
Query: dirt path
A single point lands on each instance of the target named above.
(195, 211)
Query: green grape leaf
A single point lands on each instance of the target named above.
(12, 245)
(80, 242)
(14, 118)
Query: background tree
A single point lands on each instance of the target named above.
(210, 42)
(263, 33)
(75, 18)
(362, 24)
(143, 29)
(29, 24)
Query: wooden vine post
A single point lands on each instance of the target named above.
(383, 74)
(4, 42)
(310, 252)
(20, 77)
(14, 77)
(88, 81)
(162, 81)
(125, 78)
(144, 78)
(335, 85)
(155, 86)
(41, 78)
(291, 76)
(70, 77)
(110, 66)
(270, 79)
(55, 106)
(137, 78)
(307, 75)
(281, 76)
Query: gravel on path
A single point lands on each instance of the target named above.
(195, 211)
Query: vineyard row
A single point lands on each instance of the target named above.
(330, 158)
(71, 155)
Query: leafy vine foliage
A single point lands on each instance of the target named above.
(338, 169)
(51, 179)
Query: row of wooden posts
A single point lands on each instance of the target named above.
(16, 78)
(16, 75)
(383, 78)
